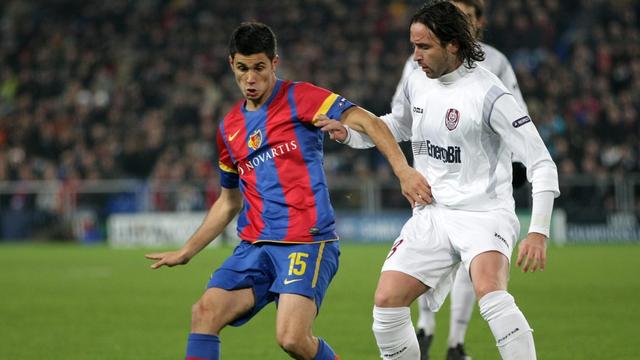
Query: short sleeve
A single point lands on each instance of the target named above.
(310, 101)
(228, 171)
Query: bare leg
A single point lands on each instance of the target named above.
(391, 315)
(294, 322)
(490, 274)
(215, 309)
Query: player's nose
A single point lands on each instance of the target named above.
(251, 77)
(416, 55)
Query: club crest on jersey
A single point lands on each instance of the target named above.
(451, 119)
(255, 139)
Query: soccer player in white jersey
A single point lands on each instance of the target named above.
(465, 126)
(462, 295)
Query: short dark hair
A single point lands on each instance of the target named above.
(253, 38)
(449, 24)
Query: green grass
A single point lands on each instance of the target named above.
(71, 302)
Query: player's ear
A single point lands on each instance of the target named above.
(452, 47)
(275, 62)
(481, 23)
(231, 61)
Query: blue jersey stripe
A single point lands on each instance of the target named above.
(275, 212)
(311, 149)
(242, 218)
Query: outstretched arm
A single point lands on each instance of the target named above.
(414, 186)
(220, 214)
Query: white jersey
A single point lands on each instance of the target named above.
(494, 61)
(464, 127)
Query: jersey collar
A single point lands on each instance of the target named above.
(453, 76)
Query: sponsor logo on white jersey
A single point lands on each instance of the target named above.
(448, 154)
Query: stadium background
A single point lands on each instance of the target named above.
(108, 110)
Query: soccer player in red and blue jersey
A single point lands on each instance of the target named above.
(270, 160)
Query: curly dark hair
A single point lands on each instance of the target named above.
(450, 25)
(253, 38)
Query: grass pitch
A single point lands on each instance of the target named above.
(73, 302)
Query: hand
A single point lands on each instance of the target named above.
(169, 259)
(336, 130)
(414, 186)
(533, 251)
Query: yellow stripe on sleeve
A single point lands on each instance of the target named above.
(227, 168)
(318, 260)
(326, 105)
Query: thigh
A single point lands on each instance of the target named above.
(295, 315)
(477, 232)
(489, 272)
(304, 269)
(249, 269)
(422, 251)
(397, 289)
(225, 306)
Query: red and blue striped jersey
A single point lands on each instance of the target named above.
(274, 154)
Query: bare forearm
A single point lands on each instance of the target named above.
(413, 184)
(381, 136)
(218, 217)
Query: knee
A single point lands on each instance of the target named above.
(486, 285)
(485, 288)
(292, 343)
(387, 298)
(202, 312)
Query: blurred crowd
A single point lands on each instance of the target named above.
(134, 89)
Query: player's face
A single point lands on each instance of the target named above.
(256, 77)
(434, 59)
(475, 22)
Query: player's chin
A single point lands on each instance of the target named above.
(430, 74)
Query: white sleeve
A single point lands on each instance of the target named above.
(521, 137)
(541, 209)
(508, 78)
(399, 121)
(357, 140)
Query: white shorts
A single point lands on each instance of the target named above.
(435, 240)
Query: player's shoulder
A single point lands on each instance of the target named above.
(494, 60)
(307, 90)
(304, 86)
(493, 53)
(234, 113)
(486, 79)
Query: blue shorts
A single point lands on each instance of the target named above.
(271, 269)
